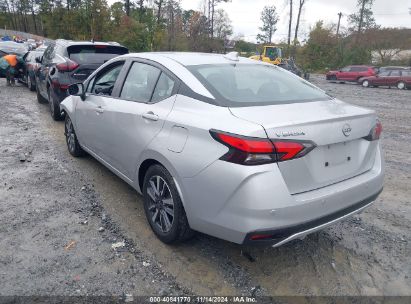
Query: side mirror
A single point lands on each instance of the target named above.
(77, 89)
(39, 59)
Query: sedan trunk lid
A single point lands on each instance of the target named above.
(336, 128)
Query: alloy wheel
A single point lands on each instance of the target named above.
(70, 136)
(365, 83)
(161, 205)
(401, 85)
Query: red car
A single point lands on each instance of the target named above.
(352, 73)
(396, 78)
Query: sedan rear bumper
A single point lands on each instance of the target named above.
(281, 236)
(237, 202)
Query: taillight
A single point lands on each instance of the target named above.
(257, 151)
(375, 132)
(67, 66)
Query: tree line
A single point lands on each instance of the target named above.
(141, 25)
(154, 25)
(328, 46)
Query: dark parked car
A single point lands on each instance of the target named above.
(352, 73)
(395, 78)
(66, 62)
(28, 73)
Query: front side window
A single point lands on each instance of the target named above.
(395, 73)
(140, 82)
(104, 83)
(346, 69)
(255, 84)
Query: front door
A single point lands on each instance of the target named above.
(92, 130)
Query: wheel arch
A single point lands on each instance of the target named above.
(150, 158)
(67, 107)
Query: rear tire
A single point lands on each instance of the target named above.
(73, 145)
(332, 78)
(163, 207)
(30, 84)
(54, 107)
(40, 99)
(401, 85)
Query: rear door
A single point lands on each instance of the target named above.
(393, 78)
(91, 56)
(134, 118)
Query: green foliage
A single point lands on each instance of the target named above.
(269, 18)
(364, 16)
(149, 25)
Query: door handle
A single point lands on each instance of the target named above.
(150, 116)
(99, 110)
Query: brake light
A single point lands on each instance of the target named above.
(100, 46)
(257, 237)
(250, 145)
(257, 151)
(67, 66)
(375, 132)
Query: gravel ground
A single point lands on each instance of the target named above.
(60, 216)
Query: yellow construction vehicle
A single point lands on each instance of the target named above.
(271, 54)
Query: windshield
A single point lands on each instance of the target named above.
(94, 53)
(255, 84)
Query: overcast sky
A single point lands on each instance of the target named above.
(245, 14)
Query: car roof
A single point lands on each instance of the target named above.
(192, 58)
(72, 42)
(177, 63)
(362, 66)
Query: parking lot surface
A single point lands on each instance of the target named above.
(68, 226)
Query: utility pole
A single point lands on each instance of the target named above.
(339, 22)
(289, 27)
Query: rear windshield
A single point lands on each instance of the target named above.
(255, 84)
(94, 53)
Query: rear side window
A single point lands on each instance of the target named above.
(94, 53)
(255, 84)
(140, 82)
(395, 73)
(164, 88)
(406, 73)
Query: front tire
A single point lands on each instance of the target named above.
(73, 145)
(163, 207)
(30, 83)
(401, 85)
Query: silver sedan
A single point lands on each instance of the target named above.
(228, 146)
